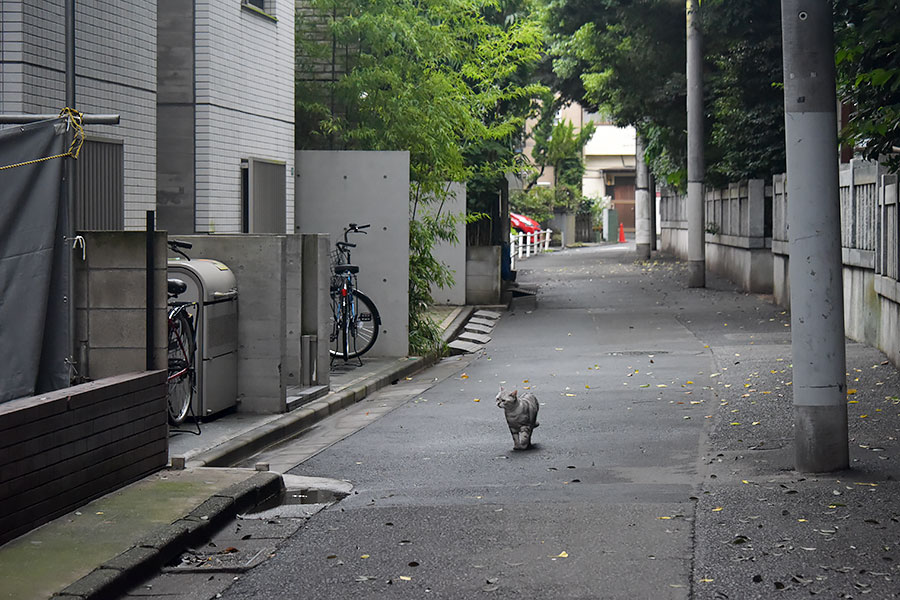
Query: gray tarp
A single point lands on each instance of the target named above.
(33, 270)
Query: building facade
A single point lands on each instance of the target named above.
(226, 116)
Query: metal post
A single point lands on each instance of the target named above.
(695, 166)
(68, 175)
(641, 202)
(150, 295)
(653, 241)
(817, 307)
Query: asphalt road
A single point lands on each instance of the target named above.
(662, 467)
(602, 506)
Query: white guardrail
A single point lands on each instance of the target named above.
(523, 245)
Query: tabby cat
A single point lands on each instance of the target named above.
(521, 415)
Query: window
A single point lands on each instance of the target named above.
(263, 8)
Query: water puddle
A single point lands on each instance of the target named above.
(301, 503)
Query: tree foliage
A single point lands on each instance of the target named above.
(439, 78)
(627, 60)
(868, 63)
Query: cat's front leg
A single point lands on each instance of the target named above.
(515, 436)
(524, 440)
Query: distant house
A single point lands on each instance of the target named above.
(115, 74)
(225, 129)
(608, 161)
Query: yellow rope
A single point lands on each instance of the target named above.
(75, 121)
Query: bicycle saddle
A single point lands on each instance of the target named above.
(346, 269)
(176, 286)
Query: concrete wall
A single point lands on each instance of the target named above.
(483, 275)
(337, 188)
(115, 73)
(111, 300)
(564, 223)
(453, 255)
(62, 449)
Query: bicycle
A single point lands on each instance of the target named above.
(355, 319)
(182, 344)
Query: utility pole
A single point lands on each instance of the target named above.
(695, 166)
(817, 303)
(642, 219)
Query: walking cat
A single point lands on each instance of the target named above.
(521, 415)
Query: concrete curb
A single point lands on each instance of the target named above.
(114, 577)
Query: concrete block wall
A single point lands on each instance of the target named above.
(62, 449)
(244, 86)
(111, 300)
(115, 73)
(267, 270)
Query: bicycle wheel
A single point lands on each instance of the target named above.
(355, 336)
(180, 381)
(364, 325)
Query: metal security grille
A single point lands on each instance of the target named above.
(100, 186)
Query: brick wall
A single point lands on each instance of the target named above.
(62, 449)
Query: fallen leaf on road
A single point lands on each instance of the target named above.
(476, 400)
(562, 554)
(405, 578)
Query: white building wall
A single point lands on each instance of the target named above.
(115, 66)
(245, 104)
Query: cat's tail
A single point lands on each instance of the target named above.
(536, 424)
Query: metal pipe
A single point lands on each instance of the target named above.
(22, 119)
(68, 174)
(815, 269)
(695, 165)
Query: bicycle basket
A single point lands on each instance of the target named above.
(338, 257)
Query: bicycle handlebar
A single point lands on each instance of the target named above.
(354, 228)
(180, 244)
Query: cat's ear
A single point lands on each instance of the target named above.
(501, 389)
(514, 393)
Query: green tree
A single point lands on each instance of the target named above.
(625, 60)
(868, 44)
(743, 89)
(434, 77)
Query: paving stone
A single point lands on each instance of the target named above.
(487, 314)
(471, 336)
(478, 328)
(462, 347)
(480, 321)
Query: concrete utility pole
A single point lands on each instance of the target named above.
(814, 221)
(695, 209)
(642, 219)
